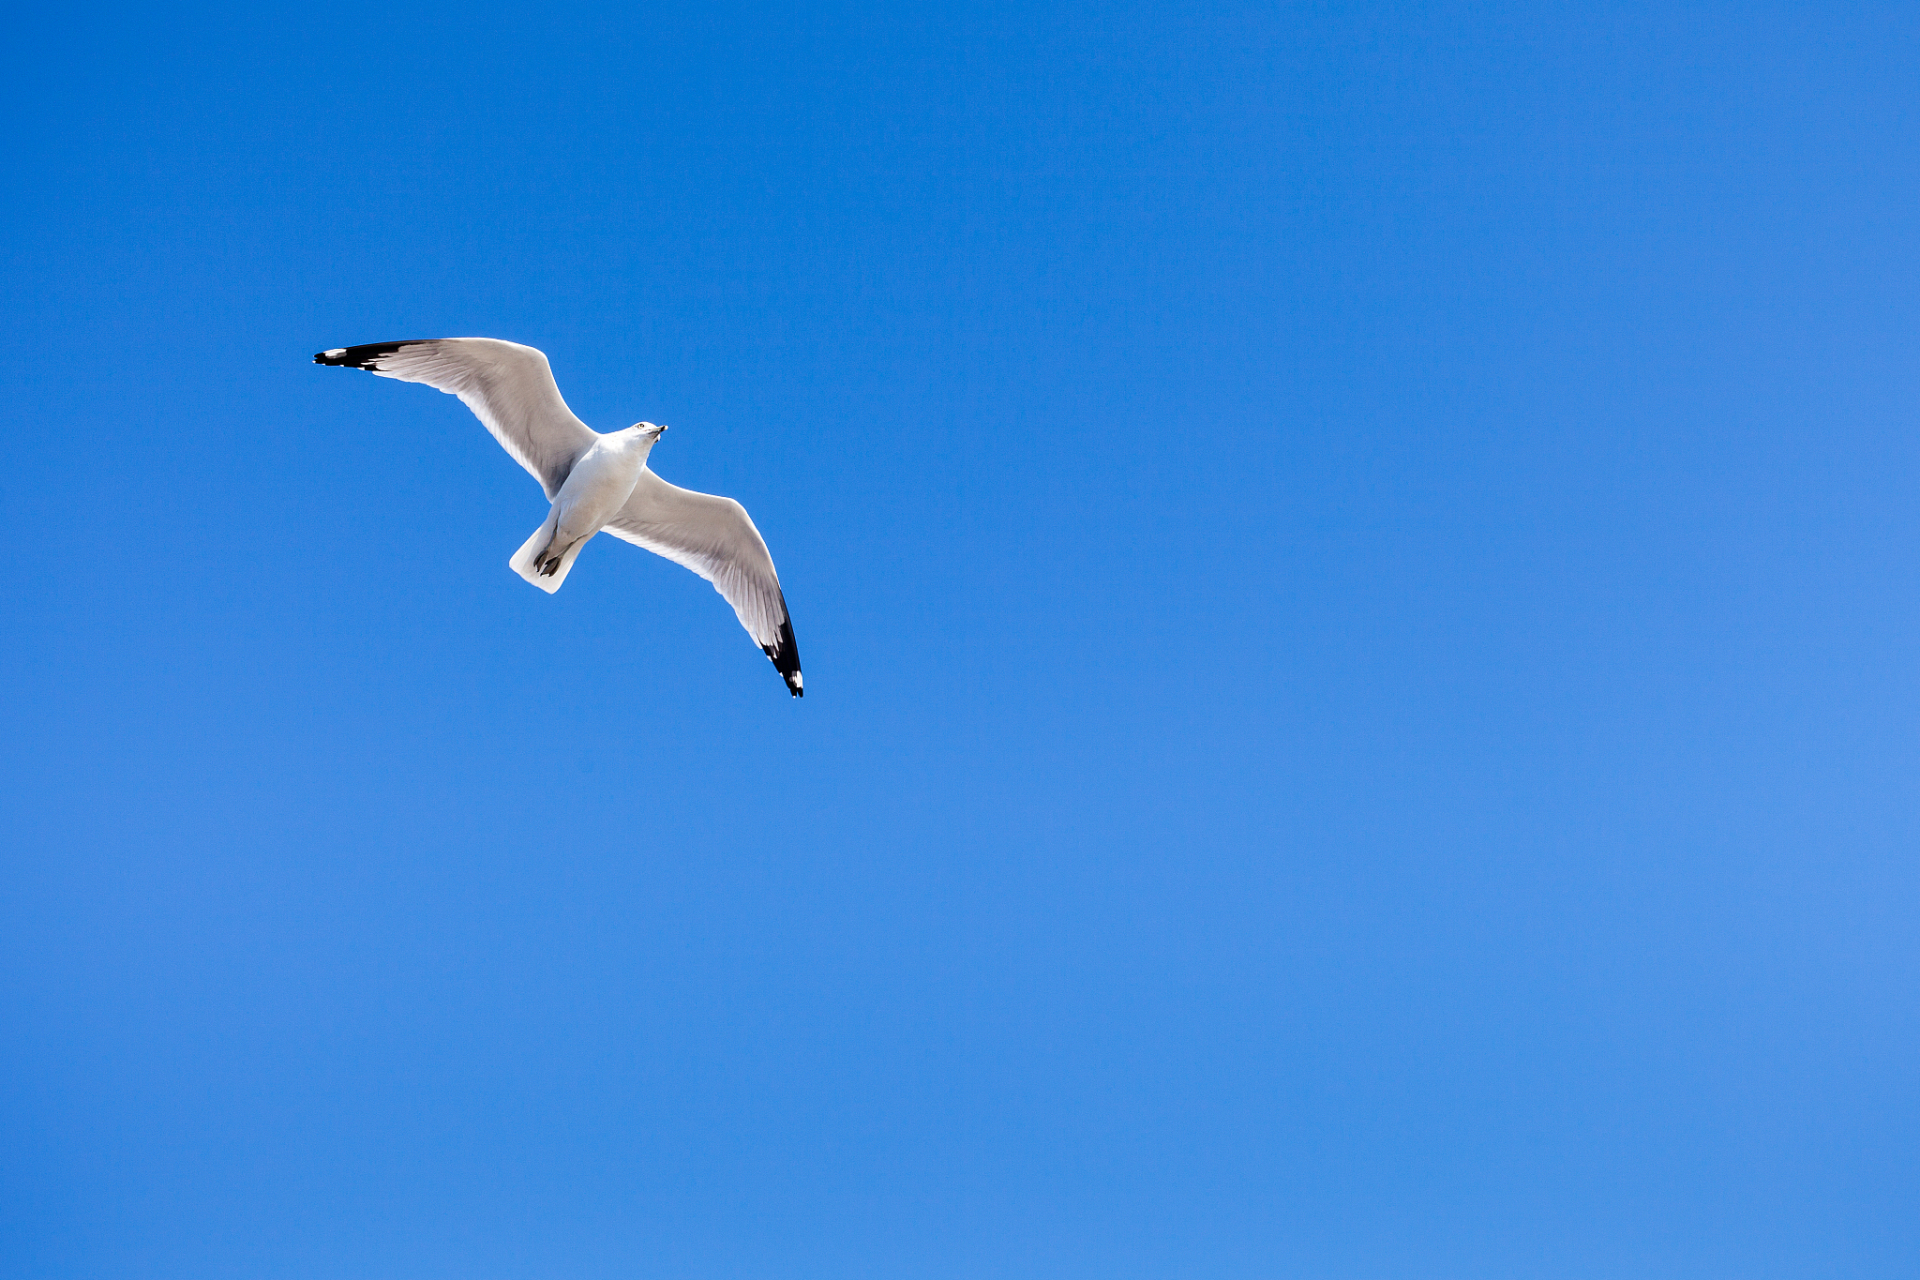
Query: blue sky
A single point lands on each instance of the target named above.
(1357, 574)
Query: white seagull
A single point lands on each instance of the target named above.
(594, 481)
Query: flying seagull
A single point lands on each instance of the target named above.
(594, 481)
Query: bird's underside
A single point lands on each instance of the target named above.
(596, 483)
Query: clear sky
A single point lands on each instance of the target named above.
(1358, 575)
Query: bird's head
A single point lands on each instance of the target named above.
(647, 431)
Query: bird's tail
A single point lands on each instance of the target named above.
(535, 560)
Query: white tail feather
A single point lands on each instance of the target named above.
(523, 562)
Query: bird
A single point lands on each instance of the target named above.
(596, 483)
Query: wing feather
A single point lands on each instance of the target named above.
(715, 538)
(509, 387)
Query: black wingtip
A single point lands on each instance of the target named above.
(362, 356)
(785, 654)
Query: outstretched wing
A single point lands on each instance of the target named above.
(715, 538)
(509, 387)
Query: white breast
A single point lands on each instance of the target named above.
(598, 486)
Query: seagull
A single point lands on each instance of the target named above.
(595, 482)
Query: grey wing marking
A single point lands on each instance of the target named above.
(715, 538)
(509, 387)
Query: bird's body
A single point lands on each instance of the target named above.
(594, 482)
(595, 489)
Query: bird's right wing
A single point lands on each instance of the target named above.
(715, 538)
(509, 387)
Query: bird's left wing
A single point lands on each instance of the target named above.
(509, 387)
(715, 538)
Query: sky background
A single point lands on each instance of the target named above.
(1359, 584)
